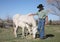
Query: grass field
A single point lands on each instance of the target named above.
(51, 31)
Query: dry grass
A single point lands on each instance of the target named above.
(6, 35)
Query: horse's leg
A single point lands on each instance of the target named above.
(15, 31)
(28, 28)
(22, 31)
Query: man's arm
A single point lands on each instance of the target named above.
(32, 14)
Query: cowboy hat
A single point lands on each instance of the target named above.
(40, 5)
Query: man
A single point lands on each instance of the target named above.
(43, 18)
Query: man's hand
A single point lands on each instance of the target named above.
(30, 14)
(46, 20)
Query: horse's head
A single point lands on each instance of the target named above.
(34, 31)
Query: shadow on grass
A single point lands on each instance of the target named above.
(46, 36)
(49, 35)
(37, 36)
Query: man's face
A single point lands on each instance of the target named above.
(40, 8)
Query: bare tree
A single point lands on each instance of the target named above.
(1, 23)
(55, 3)
(50, 22)
(55, 6)
(8, 22)
(8, 18)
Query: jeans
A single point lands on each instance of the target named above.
(41, 25)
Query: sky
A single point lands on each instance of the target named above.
(12, 7)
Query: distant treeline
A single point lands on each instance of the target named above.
(7, 23)
(50, 22)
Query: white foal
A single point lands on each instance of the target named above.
(21, 20)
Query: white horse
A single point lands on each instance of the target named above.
(22, 21)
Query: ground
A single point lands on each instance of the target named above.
(52, 33)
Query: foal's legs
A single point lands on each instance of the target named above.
(28, 28)
(22, 31)
(15, 30)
